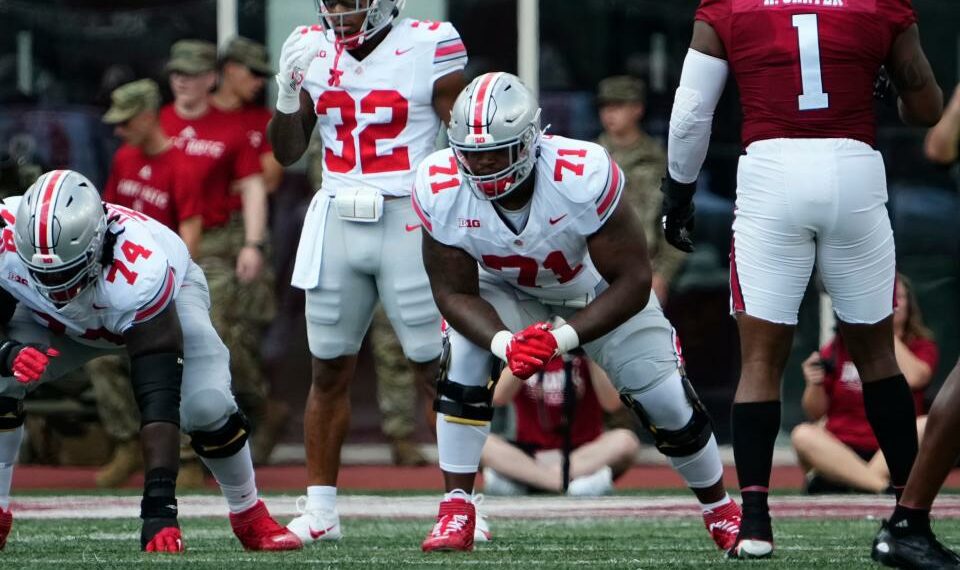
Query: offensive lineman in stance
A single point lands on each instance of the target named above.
(543, 218)
(376, 90)
(810, 188)
(82, 279)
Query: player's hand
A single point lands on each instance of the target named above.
(168, 539)
(249, 264)
(299, 49)
(677, 213)
(530, 350)
(28, 362)
(883, 88)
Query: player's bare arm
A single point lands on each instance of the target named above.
(705, 40)
(454, 278)
(445, 91)
(290, 128)
(921, 100)
(619, 252)
(290, 133)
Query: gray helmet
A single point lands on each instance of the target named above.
(496, 111)
(59, 233)
(378, 13)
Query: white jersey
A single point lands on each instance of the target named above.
(378, 124)
(577, 187)
(149, 264)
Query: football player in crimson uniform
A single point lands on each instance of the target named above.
(376, 88)
(811, 187)
(82, 279)
(521, 228)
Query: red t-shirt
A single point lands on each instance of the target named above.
(254, 119)
(539, 407)
(220, 153)
(805, 69)
(846, 415)
(162, 186)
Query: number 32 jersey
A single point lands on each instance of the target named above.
(577, 188)
(805, 68)
(378, 123)
(149, 264)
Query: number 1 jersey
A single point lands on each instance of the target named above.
(577, 187)
(378, 123)
(805, 68)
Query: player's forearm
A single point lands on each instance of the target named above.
(254, 196)
(943, 139)
(625, 297)
(287, 136)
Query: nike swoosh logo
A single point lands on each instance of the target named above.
(402, 51)
(413, 227)
(315, 534)
(555, 220)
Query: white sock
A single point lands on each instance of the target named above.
(236, 478)
(714, 506)
(9, 446)
(459, 445)
(321, 497)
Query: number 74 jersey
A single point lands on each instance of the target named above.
(576, 188)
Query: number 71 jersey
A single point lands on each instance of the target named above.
(577, 186)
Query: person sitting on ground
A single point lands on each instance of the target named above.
(534, 461)
(841, 454)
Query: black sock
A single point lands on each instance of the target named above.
(891, 412)
(755, 429)
(908, 520)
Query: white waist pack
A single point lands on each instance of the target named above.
(359, 204)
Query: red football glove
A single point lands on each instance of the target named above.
(28, 362)
(530, 350)
(167, 540)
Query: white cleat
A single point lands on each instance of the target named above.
(481, 530)
(751, 548)
(314, 525)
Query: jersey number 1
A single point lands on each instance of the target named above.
(808, 36)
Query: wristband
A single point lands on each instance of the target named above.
(566, 337)
(498, 346)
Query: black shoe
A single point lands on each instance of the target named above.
(756, 535)
(906, 549)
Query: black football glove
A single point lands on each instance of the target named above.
(884, 90)
(677, 213)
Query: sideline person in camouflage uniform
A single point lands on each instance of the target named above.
(622, 103)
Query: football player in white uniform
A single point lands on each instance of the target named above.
(82, 278)
(376, 89)
(542, 217)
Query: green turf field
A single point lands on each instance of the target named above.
(584, 543)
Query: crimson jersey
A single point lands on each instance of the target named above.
(162, 186)
(539, 405)
(805, 68)
(219, 153)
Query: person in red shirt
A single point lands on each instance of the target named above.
(533, 461)
(150, 174)
(842, 452)
(811, 189)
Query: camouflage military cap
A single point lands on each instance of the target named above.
(192, 57)
(131, 99)
(621, 89)
(249, 53)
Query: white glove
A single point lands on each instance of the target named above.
(300, 48)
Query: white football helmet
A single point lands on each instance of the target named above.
(378, 15)
(496, 111)
(59, 232)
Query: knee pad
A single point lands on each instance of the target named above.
(205, 408)
(156, 381)
(469, 405)
(11, 413)
(224, 441)
(682, 442)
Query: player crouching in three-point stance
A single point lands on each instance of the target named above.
(543, 218)
(809, 188)
(82, 278)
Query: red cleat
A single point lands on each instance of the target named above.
(257, 530)
(456, 523)
(167, 540)
(723, 524)
(6, 523)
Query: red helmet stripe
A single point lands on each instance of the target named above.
(45, 215)
(481, 102)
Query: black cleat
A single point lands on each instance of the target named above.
(898, 548)
(756, 535)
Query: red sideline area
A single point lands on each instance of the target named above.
(292, 478)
